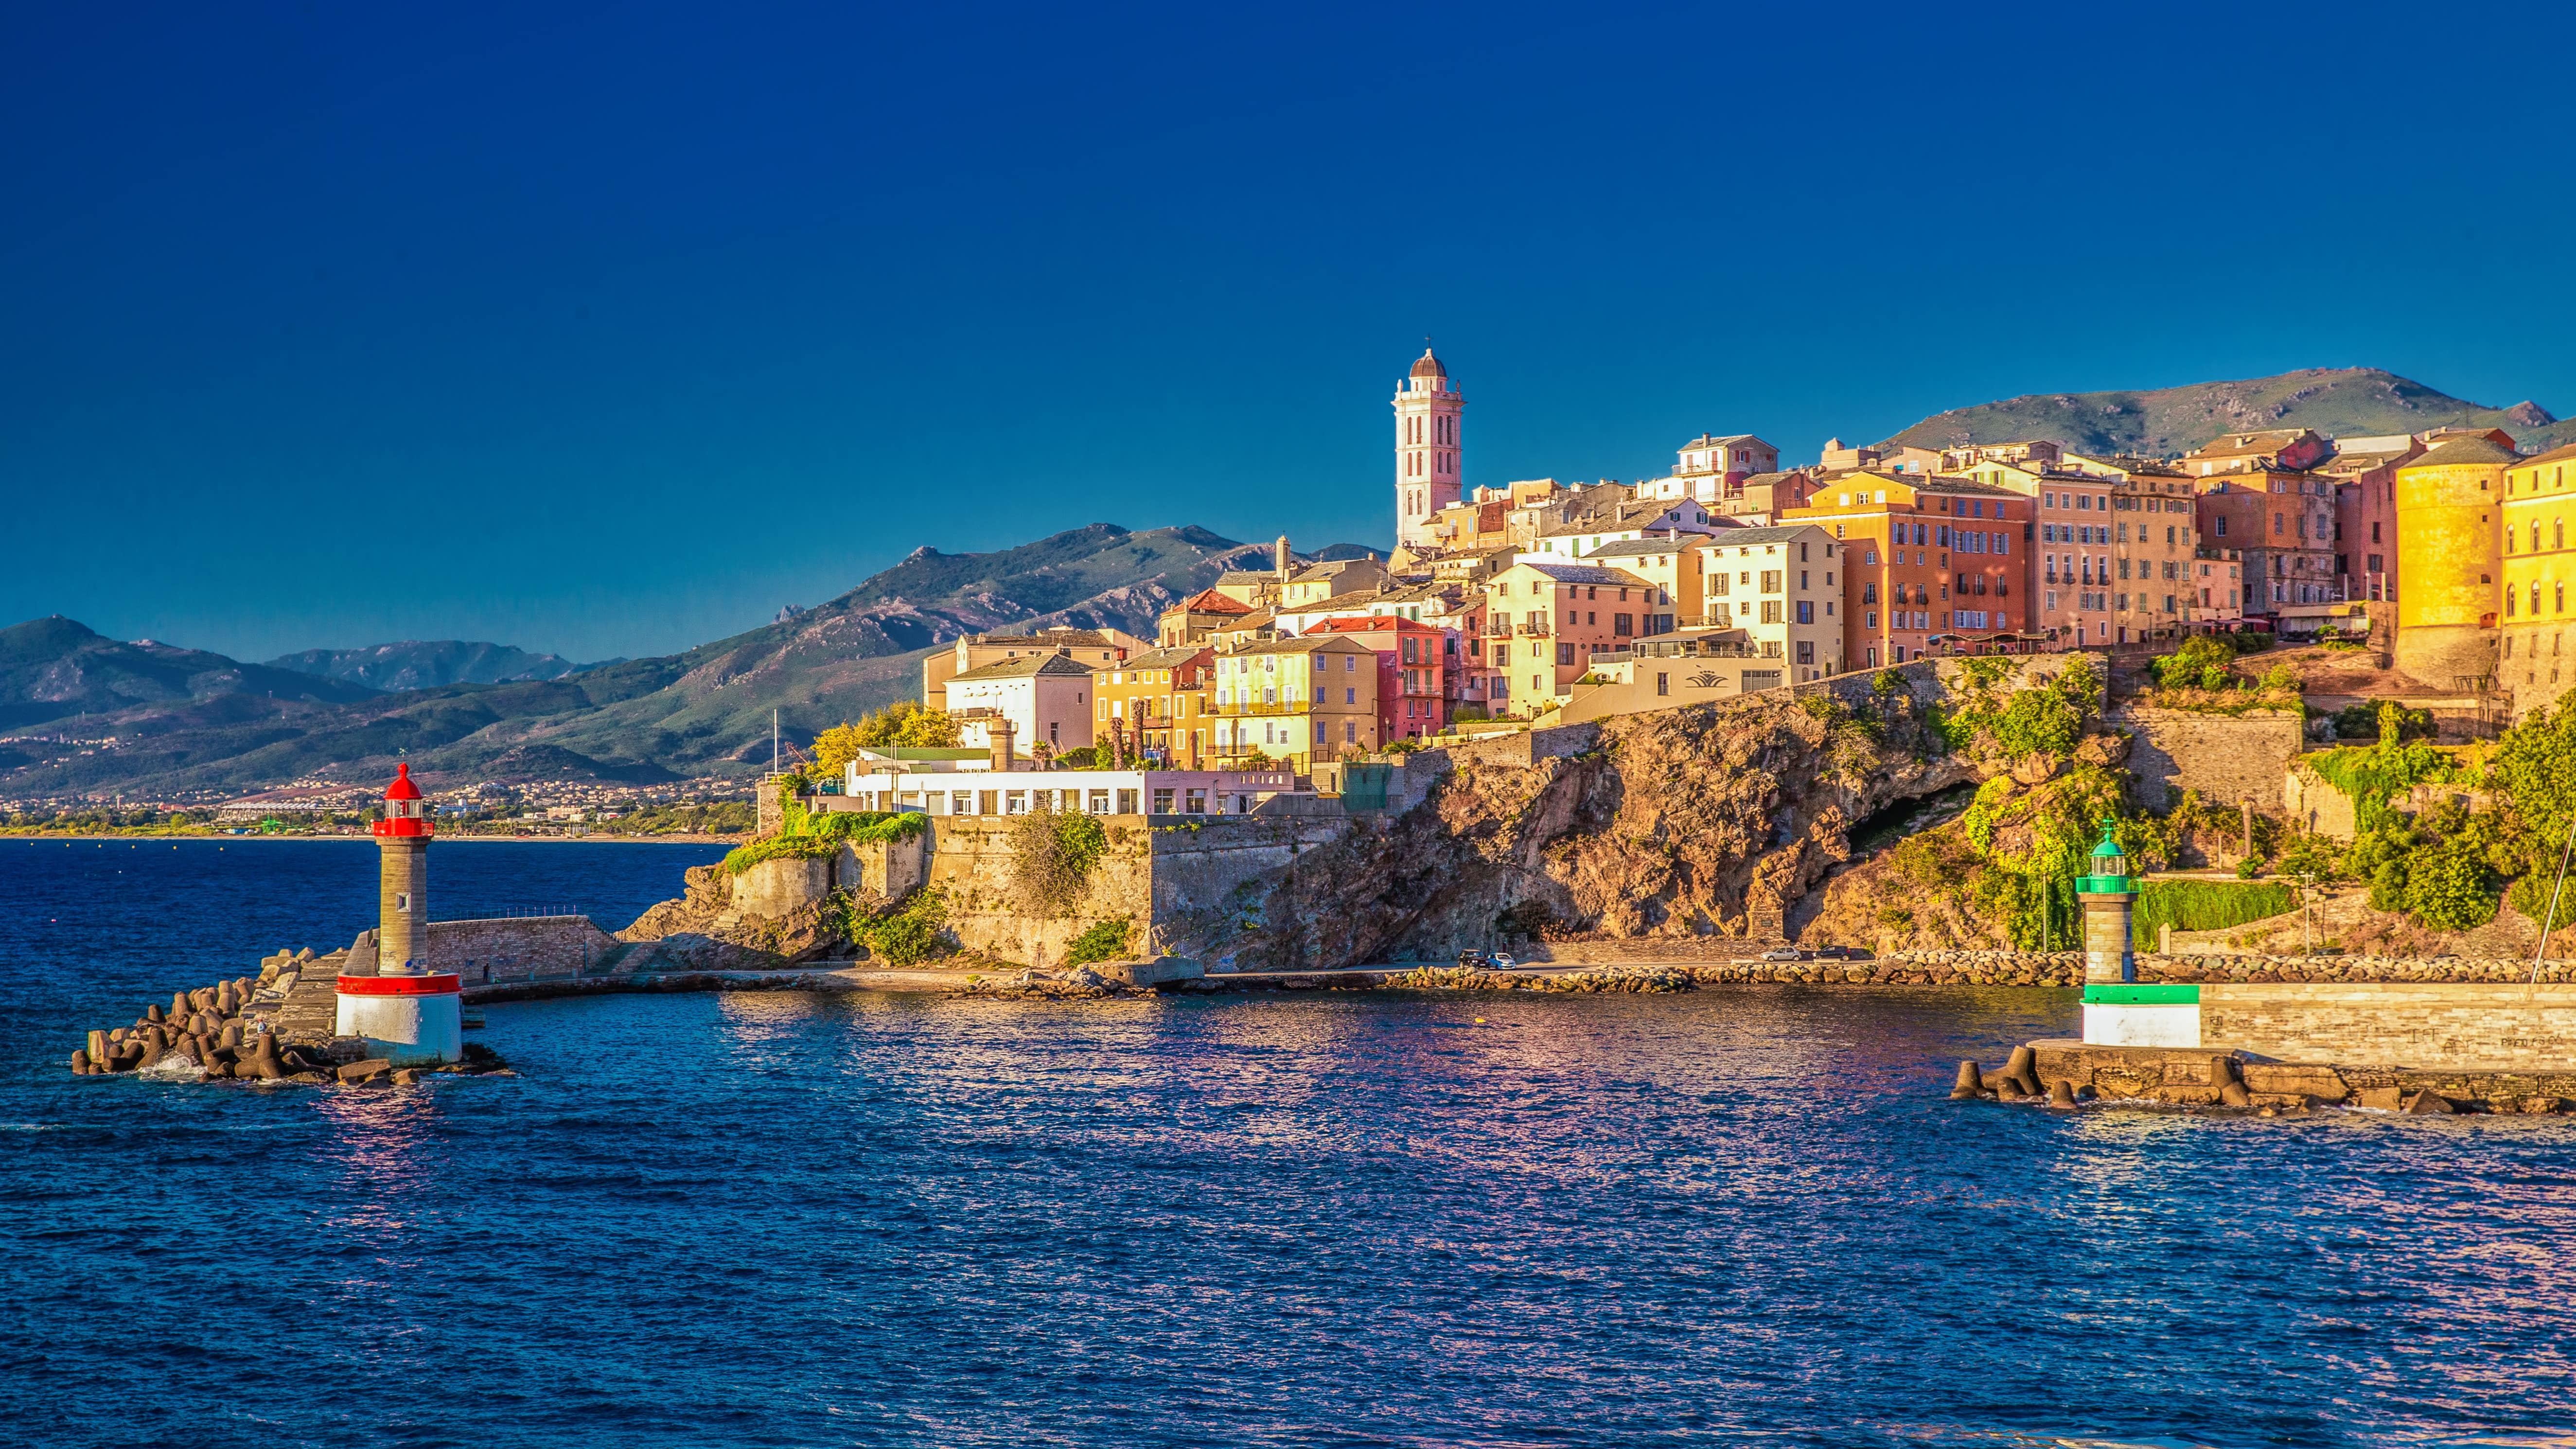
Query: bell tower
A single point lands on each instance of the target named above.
(1427, 408)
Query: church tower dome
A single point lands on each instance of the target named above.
(1428, 409)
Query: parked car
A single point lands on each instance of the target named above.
(1502, 961)
(1781, 953)
(1474, 960)
(1834, 953)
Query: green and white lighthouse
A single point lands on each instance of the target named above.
(2119, 1010)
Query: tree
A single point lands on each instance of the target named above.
(2535, 768)
(2450, 889)
(836, 747)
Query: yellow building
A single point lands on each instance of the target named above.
(1302, 700)
(2539, 657)
(2450, 541)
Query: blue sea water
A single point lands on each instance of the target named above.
(1729, 1217)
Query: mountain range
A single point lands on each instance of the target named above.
(2347, 402)
(153, 721)
(427, 664)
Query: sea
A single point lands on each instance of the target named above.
(1739, 1216)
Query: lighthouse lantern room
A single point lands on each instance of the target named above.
(407, 1012)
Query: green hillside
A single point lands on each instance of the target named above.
(2162, 422)
(640, 720)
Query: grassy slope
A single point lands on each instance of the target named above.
(2344, 402)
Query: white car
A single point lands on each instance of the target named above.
(1781, 953)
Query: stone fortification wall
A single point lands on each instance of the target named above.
(2460, 1026)
(2226, 758)
(532, 948)
(1177, 884)
(781, 887)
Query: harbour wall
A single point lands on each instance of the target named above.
(532, 948)
(2459, 1026)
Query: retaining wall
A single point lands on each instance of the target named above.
(2226, 758)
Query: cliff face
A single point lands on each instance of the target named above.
(1711, 820)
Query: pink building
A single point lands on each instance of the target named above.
(1413, 665)
(1427, 417)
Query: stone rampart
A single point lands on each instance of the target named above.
(1174, 882)
(2227, 758)
(520, 948)
(782, 887)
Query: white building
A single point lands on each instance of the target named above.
(942, 787)
(1046, 697)
(1707, 467)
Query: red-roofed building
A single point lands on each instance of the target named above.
(1193, 619)
(1413, 664)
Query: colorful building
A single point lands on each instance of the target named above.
(2364, 471)
(2538, 653)
(1545, 620)
(1924, 561)
(1780, 589)
(1414, 664)
(2069, 568)
(1159, 700)
(974, 651)
(1297, 699)
(2450, 539)
(1046, 698)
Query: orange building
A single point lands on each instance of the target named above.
(1926, 561)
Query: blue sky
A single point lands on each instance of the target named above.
(608, 331)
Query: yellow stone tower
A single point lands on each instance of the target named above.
(2450, 531)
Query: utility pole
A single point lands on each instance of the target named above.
(773, 743)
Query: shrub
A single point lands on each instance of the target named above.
(2282, 679)
(1105, 941)
(1886, 682)
(2308, 859)
(810, 837)
(1053, 853)
(2201, 663)
(2388, 886)
(2250, 868)
(2450, 889)
(2530, 897)
(914, 934)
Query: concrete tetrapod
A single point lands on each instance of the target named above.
(1971, 1084)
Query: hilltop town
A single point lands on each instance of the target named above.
(1548, 602)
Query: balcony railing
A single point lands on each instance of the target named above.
(1535, 631)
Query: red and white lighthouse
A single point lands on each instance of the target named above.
(407, 1012)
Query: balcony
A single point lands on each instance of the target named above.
(1534, 631)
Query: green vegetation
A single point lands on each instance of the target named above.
(2376, 717)
(2019, 848)
(2046, 720)
(2192, 905)
(900, 725)
(1105, 941)
(811, 837)
(1053, 853)
(2370, 776)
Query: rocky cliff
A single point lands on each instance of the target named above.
(1711, 820)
